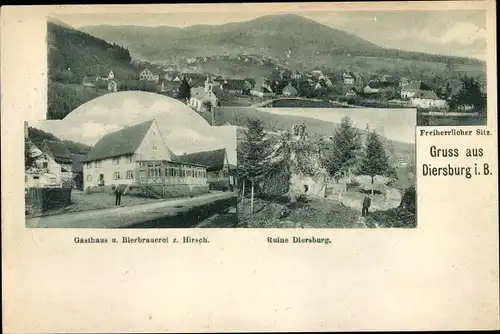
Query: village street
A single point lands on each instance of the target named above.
(183, 212)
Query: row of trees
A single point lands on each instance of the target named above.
(347, 154)
(258, 157)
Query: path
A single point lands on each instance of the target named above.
(127, 216)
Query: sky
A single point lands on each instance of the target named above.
(450, 32)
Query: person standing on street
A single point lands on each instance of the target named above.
(367, 201)
(118, 196)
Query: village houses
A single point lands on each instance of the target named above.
(107, 78)
(352, 78)
(45, 171)
(262, 90)
(427, 99)
(290, 91)
(61, 155)
(220, 174)
(410, 89)
(148, 75)
(236, 86)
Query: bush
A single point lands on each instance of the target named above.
(397, 218)
(302, 198)
(408, 201)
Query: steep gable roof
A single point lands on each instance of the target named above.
(413, 86)
(289, 88)
(214, 160)
(426, 94)
(121, 142)
(197, 92)
(56, 149)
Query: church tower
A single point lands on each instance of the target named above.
(209, 84)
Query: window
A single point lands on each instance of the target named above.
(116, 161)
(117, 176)
(154, 172)
(89, 178)
(130, 174)
(154, 133)
(45, 164)
(129, 159)
(216, 175)
(226, 173)
(89, 165)
(25, 178)
(150, 164)
(155, 148)
(98, 163)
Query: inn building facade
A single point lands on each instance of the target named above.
(138, 155)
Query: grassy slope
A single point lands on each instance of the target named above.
(315, 213)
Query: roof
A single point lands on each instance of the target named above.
(426, 94)
(352, 75)
(121, 142)
(264, 89)
(198, 92)
(290, 88)
(57, 149)
(413, 86)
(234, 84)
(214, 160)
(77, 165)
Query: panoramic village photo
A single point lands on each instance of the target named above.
(254, 119)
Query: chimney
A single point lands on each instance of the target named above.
(25, 130)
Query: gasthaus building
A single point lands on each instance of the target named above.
(138, 156)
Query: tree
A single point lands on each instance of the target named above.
(29, 157)
(252, 154)
(409, 199)
(374, 161)
(184, 90)
(470, 94)
(207, 105)
(342, 153)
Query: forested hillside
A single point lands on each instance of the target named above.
(73, 54)
(83, 54)
(37, 136)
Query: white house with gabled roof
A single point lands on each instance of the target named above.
(139, 155)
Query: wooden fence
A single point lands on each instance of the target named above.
(38, 200)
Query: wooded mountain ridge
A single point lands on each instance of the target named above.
(271, 35)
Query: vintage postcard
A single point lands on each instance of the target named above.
(243, 167)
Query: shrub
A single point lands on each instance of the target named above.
(302, 198)
(397, 218)
(408, 201)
